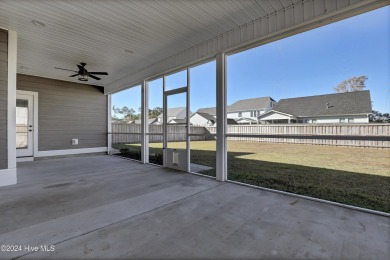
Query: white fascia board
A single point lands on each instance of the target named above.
(344, 115)
(274, 111)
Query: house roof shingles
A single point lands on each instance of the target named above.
(242, 105)
(207, 110)
(173, 111)
(206, 116)
(250, 104)
(350, 103)
(178, 121)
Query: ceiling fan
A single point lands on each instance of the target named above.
(83, 73)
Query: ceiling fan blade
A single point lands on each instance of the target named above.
(64, 69)
(99, 73)
(74, 75)
(94, 77)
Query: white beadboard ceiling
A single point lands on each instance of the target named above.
(98, 32)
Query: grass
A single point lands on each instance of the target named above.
(355, 176)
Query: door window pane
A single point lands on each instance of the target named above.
(21, 124)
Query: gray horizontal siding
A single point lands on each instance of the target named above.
(66, 111)
(4, 46)
(3, 99)
(3, 65)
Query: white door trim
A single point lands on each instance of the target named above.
(35, 117)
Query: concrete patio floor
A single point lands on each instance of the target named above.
(107, 207)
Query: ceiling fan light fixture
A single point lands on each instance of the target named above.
(83, 77)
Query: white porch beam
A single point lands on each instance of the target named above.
(109, 124)
(188, 123)
(221, 153)
(144, 122)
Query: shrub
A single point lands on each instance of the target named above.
(156, 159)
(124, 150)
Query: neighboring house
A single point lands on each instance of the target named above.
(250, 108)
(246, 121)
(172, 113)
(350, 107)
(208, 110)
(177, 122)
(122, 121)
(230, 121)
(244, 111)
(150, 121)
(202, 119)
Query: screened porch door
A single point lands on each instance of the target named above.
(175, 138)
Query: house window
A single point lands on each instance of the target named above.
(342, 120)
(239, 114)
(350, 120)
(252, 114)
(314, 121)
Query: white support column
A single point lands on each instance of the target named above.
(188, 129)
(144, 122)
(8, 176)
(109, 125)
(165, 127)
(221, 163)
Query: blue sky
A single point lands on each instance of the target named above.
(310, 63)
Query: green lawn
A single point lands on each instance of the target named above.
(355, 176)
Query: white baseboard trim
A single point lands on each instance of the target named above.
(8, 177)
(24, 159)
(70, 152)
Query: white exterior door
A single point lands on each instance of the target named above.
(24, 125)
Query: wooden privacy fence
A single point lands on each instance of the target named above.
(362, 135)
(131, 133)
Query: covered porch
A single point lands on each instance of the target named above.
(107, 207)
(97, 205)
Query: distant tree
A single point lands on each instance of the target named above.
(128, 114)
(155, 112)
(116, 111)
(378, 117)
(352, 84)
